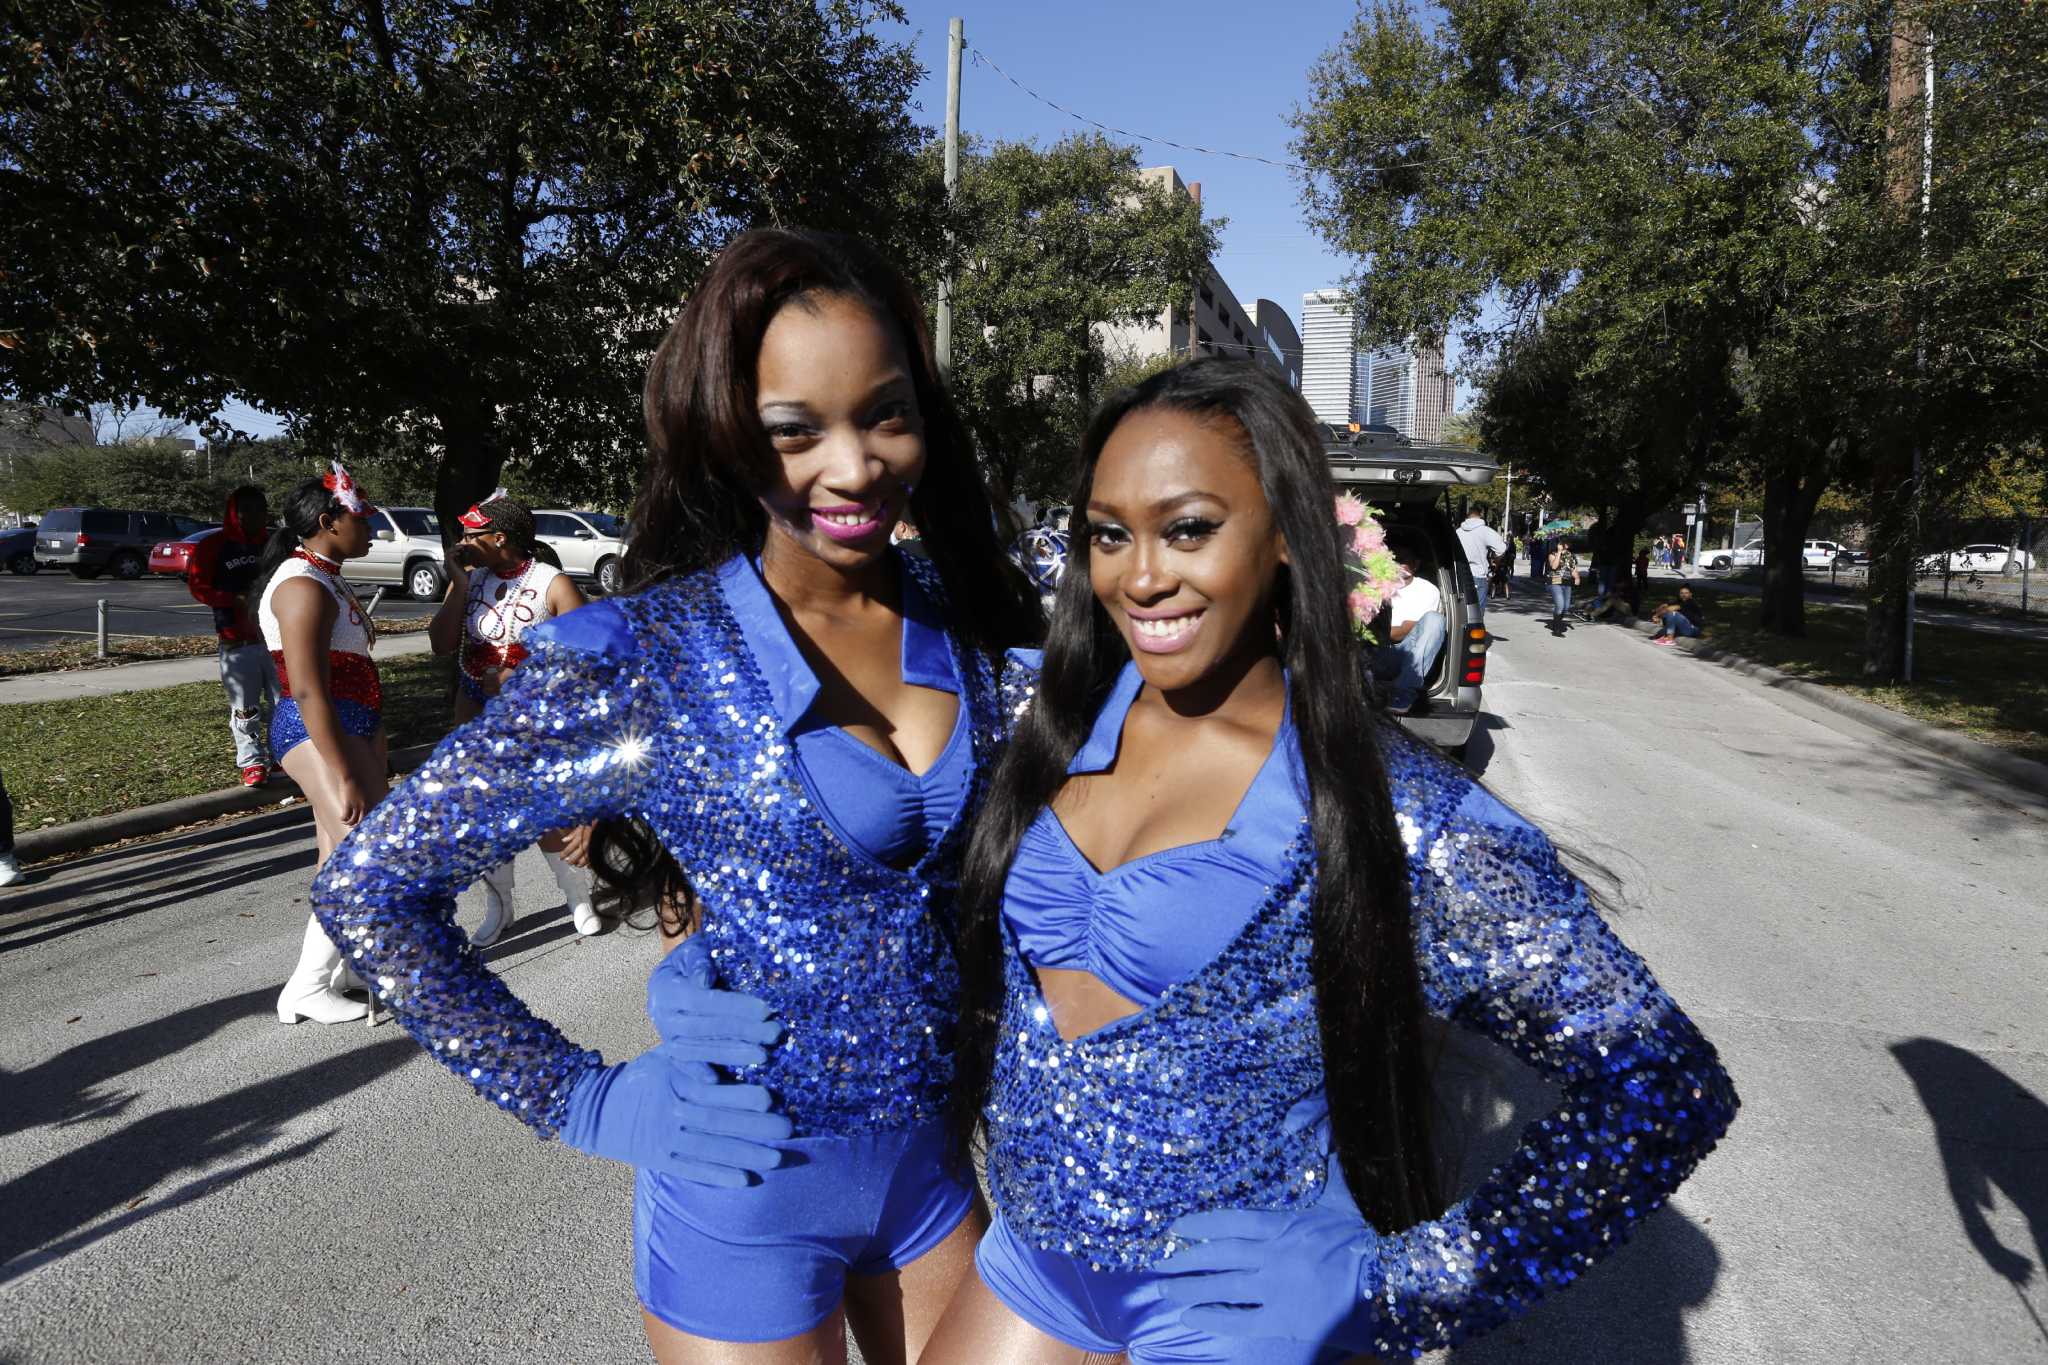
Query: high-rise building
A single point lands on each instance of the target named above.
(1331, 367)
(1409, 390)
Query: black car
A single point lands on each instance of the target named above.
(1848, 558)
(18, 550)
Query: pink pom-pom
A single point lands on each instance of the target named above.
(1368, 538)
(1350, 511)
(1364, 606)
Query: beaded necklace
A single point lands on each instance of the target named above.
(331, 570)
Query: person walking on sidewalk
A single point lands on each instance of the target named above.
(513, 583)
(1480, 541)
(219, 573)
(1561, 564)
(328, 730)
(10, 866)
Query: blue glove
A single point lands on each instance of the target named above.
(1299, 1275)
(673, 1115)
(700, 1022)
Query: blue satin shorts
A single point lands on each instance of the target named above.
(1107, 1311)
(770, 1261)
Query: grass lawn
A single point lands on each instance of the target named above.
(67, 760)
(129, 649)
(1994, 688)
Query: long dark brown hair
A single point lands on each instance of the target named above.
(1368, 993)
(708, 457)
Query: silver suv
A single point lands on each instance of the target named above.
(405, 550)
(1412, 486)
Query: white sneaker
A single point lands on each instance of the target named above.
(498, 909)
(575, 884)
(10, 869)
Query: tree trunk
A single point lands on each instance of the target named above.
(472, 459)
(1788, 514)
(1894, 545)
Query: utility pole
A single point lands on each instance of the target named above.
(1920, 323)
(956, 38)
(1507, 501)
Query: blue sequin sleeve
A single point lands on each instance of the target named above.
(1510, 944)
(571, 738)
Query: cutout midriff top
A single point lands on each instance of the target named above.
(1159, 918)
(878, 806)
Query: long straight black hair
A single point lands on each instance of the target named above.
(1368, 994)
(709, 457)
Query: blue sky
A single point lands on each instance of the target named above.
(1199, 72)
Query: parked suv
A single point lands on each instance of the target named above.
(1412, 486)
(590, 545)
(91, 540)
(405, 549)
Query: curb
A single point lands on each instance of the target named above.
(149, 675)
(2024, 773)
(80, 835)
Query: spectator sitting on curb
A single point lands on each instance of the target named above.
(1416, 630)
(1686, 616)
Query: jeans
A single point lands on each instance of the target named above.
(1407, 661)
(251, 685)
(6, 819)
(1678, 623)
(1560, 600)
(1479, 585)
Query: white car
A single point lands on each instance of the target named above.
(591, 545)
(1984, 558)
(1751, 552)
(1818, 554)
(405, 549)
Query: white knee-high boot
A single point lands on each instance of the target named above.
(309, 994)
(575, 884)
(498, 909)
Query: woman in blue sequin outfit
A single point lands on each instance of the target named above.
(782, 733)
(1205, 908)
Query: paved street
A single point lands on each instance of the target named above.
(52, 606)
(1856, 925)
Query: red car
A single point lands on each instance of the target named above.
(174, 557)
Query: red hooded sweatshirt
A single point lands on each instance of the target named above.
(219, 574)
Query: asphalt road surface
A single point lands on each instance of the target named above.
(1856, 926)
(52, 606)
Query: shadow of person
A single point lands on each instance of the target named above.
(1630, 1309)
(60, 1198)
(67, 1088)
(1993, 1133)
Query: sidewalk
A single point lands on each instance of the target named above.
(105, 682)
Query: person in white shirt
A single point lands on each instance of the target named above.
(1416, 630)
(1479, 540)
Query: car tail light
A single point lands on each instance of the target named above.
(81, 538)
(1476, 641)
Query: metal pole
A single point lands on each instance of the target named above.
(102, 627)
(2026, 563)
(956, 38)
(375, 598)
(1507, 501)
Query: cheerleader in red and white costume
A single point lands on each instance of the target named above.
(328, 728)
(509, 587)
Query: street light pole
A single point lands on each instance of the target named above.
(942, 342)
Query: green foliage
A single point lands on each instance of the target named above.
(1054, 245)
(452, 228)
(1683, 238)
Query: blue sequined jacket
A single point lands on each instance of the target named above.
(1098, 1144)
(652, 705)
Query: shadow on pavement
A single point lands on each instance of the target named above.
(1993, 1134)
(59, 1199)
(66, 1088)
(93, 911)
(1629, 1309)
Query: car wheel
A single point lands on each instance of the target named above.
(1720, 563)
(85, 571)
(611, 576)
(23, 565)
(128, 566)
(424, 581)
(2012, 569)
